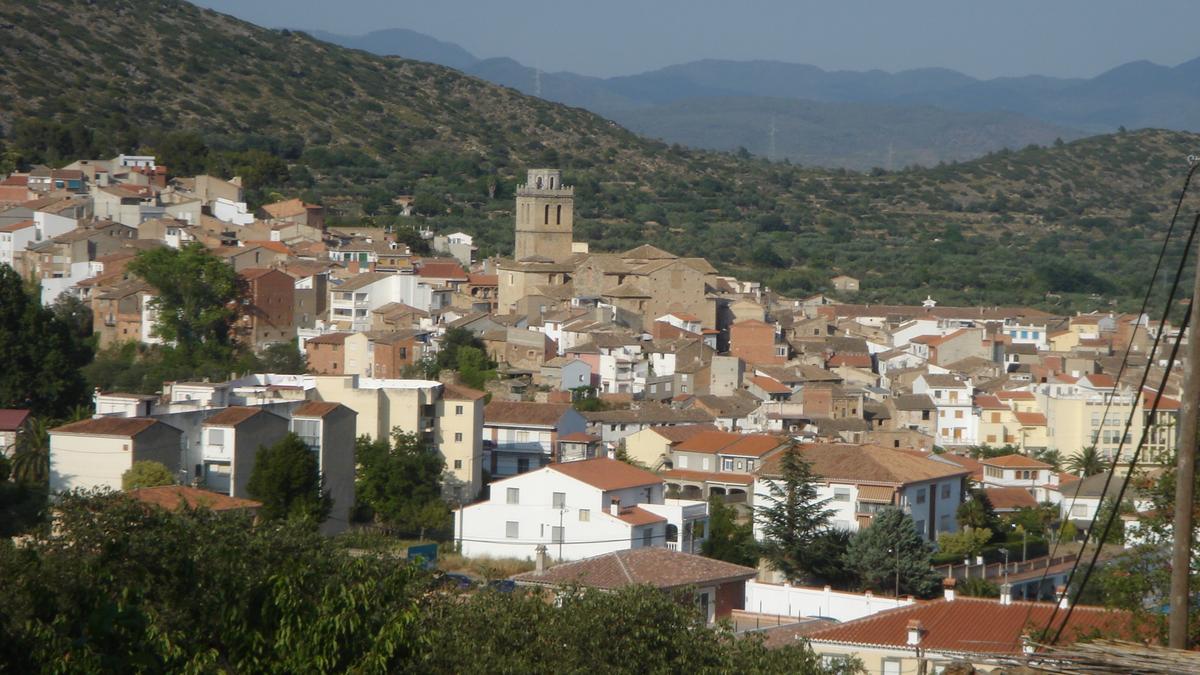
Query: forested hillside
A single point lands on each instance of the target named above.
(292, 115)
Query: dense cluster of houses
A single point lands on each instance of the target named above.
(701, 381)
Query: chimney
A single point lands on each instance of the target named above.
(353, 267)
(948, 588)
(1006, 594)
(614, 506)
(914, 633)
(1063, 601)
(541, 559)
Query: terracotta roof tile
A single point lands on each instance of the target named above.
(175, 496)
(1015, 461)
(328, 339)
(459, 392)
(108, 426)
(654, 566)
(729, 443)
(606, 474)
(1010, 498)
(636, 515)
(315, 409)
(12, 419)
(771, 385)
(1031, 419)
(682, 432)
(844, 462)
(524, 413)
(973, 625)
(233, 416)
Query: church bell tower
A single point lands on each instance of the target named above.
(545, 216)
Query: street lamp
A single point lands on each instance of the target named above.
(896, 550)
(1024, 539)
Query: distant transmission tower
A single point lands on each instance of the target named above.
(771, 141)
(537, 82)
(891, 156)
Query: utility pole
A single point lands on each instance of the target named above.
(1185, 476)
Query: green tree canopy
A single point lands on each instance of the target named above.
(1086, 462)
(196, 296)
(42, 356)
(146, 473)
(728, 539)
(401, 483)
(977, 511)
(791, 516)
(890, 545)
(287, 480)
(966, 543)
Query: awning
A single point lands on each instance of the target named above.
(877, 494)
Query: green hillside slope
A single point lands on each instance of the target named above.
(296, 116)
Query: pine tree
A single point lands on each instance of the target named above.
(792, 517)
(891, 547)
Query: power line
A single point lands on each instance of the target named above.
(1117, 457)
(1187, 180)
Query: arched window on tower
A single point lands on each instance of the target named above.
(547, 215)
(552, 182)
(558, 216)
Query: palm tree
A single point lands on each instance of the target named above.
(31, 460)
(1086, 462)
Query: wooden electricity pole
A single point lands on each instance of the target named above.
(1185, 478)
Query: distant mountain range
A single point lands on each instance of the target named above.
(838, 118)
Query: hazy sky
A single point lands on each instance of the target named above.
(617, 37)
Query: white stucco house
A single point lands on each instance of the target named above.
(578, 510)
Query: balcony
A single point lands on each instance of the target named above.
(221, 453)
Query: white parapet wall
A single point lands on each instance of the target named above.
(801, 601)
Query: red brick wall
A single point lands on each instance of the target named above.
(326, 359)
(753, 342)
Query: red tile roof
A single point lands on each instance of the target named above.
(176, 496)
(441, 270)
(277, 246)
(233, 416)
(606, 474)
(483, 279)
(770, 385)
(1015, 396)
(1015, 462)
(654, 566)
(524, 413)
(1164, 403)
(12, 419)
(973, 625)
(682, 432)
(989, 402)
(1010, 498)
(850, 360)
(108, 426)
(843, 462)
(19, 225)
(729, 443)
(636, 515)
(328, 339)
(1101, 380)
(315, 409)
(1031, 419)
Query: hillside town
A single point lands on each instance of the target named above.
(631, 405)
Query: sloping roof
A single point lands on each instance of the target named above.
(682, 432)
(1010, 498)
(943, 381)
(650, 414)
(524, 413)
(770, 385)
(913, 402)
(12, 419)
(1015, 461)
(651, 565)
(972, 625)
(459, 392)
(845, 462)
(233, 416)
(647, 252)
(989, 402)
(1031, 419)
(1015, 396)
(315, 409)
(107, 426)
(636, 515)
(606, 474)
(360, 281)
(286, 208)
(175, 496)
(441, 269)
(328, 339)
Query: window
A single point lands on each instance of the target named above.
(458, 463)
(705, 467)
(1079, 510)
(841, 494)
(749, 465)
(556, 534)
(510, 529)
(585, 515)
(458, 410)
(891, 666)
(683, 461)
(921, 496)
(958, 414)
(558, 500)
(458, 437)
(309, 431)
(945, 490)
(647, 537)
(944, 523)
(995, 418)
(514, 495)
(522, 465)
(942, 413)
(727, 464)
(216, 437)
(920, 525)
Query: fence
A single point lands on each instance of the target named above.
(800, 601)
(962, 571)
